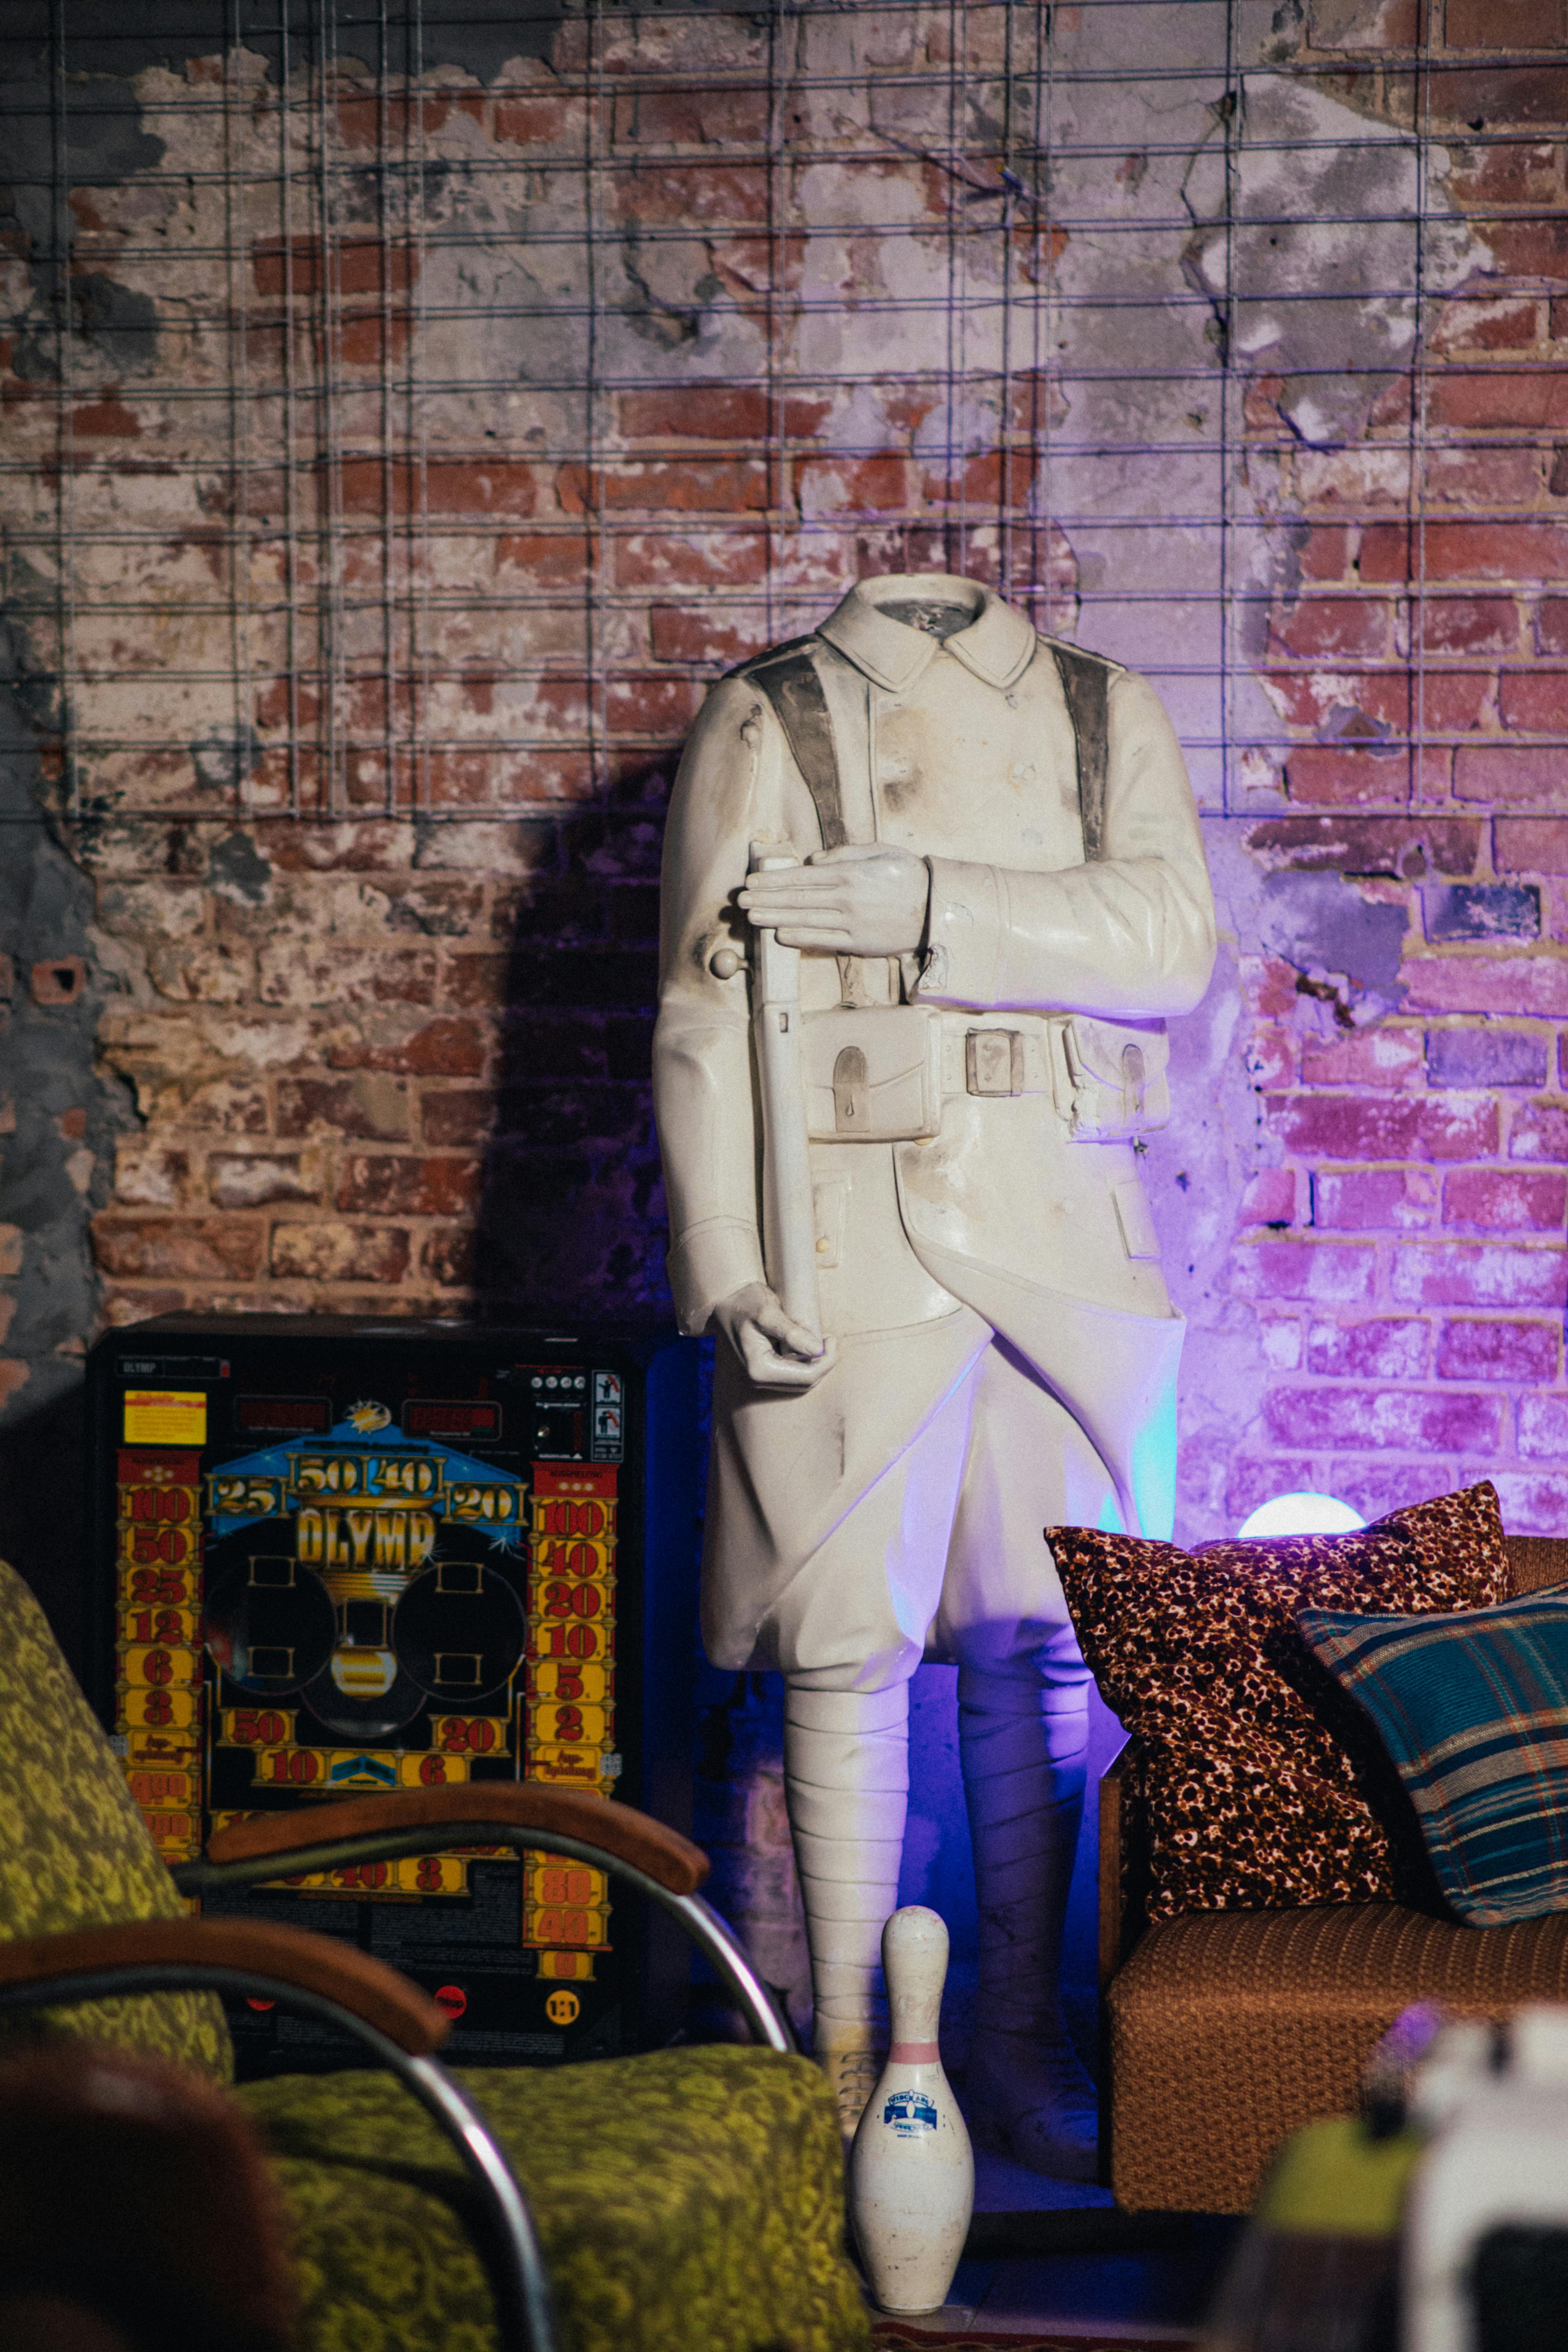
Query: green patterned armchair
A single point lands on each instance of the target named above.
(687, 2198)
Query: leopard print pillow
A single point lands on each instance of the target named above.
(1263, 1789)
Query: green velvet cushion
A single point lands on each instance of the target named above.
(76, 1850)
(688, 2201)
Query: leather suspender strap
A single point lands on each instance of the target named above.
(789, 680)
(1085, 682)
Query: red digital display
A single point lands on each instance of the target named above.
(446, 1417)
(255, 1413)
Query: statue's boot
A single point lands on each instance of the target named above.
(1024, 1752)
(846, 1777)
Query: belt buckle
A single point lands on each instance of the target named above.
(993, 1061)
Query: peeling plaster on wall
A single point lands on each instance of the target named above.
(57, 1122)
(115, 326)
(1336, 937)
(1196, 1171)
(1347, 945)
(1340, 939)
(1318, 215)
(236, 869)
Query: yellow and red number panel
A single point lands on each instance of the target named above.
(157, 1651)
(414, 1875)
(568, 1710)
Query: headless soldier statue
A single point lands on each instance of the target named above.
(1001, 895)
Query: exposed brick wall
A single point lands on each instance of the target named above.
(393, 1075)
(1403, 1251)
(376, 916)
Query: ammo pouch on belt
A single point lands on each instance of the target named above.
(879, 1074)
(873, 1073)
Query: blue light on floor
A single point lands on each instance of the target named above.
(1303, 1514)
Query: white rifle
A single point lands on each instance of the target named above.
(789, 1220)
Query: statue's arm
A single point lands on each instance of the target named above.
(704, 1106)
(1133, 933)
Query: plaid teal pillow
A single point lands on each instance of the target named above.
(1473, 1711)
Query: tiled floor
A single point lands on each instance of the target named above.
(1054, 2259)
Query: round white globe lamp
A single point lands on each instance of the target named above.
(1303, 1514)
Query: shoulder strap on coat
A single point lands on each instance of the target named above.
(789, 679)
(1085, 682)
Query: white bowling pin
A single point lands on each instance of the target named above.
(912, 2170)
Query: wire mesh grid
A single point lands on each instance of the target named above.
(386, 440)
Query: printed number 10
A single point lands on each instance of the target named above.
(572, 1642)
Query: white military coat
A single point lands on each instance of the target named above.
(963, 752)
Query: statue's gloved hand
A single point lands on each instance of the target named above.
(864, 900)
(777, 1352)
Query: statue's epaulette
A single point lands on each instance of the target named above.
(755, 662)
(1066, 645)
(787, 676)
(1085, 682)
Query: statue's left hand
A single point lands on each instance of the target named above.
(865, 899)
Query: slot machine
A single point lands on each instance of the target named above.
(335, 1557)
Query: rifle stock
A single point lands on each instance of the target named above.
(789, 1222)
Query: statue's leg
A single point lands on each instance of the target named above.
(849, 1629)
(1022, 1697)
(1023, 1740)
(848, 1778)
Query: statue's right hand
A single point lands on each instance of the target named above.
(777, 1352)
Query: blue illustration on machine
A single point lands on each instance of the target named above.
(366, 1574)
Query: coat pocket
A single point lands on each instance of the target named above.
(873, 1073)
(1119, 1073)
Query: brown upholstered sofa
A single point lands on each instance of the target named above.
(1222, 2031)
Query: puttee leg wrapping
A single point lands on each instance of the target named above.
(1023, 1749)
(846, 1777)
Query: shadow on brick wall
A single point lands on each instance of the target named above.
(571, 1219)
(43, 1511)
(59, 1117)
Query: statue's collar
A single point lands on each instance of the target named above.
(997, 644)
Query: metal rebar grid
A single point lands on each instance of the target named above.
(525, 405)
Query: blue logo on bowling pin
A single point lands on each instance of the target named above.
(910, 2112)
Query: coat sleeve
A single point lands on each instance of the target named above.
(704, 1102)
(1131, 934)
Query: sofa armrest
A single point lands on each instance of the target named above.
(1112, 1801)
(1123, 1861)
(1535, 1561)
